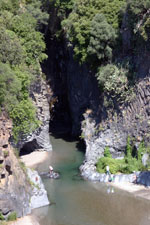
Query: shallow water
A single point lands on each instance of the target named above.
(78, 202)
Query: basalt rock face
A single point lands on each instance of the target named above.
(111, 127)
(74, 86)
(39, 139)
(20, 191)
(14, 188)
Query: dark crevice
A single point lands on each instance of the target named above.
(29, 147)
(55, 68)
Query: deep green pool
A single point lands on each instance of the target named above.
(78, 202)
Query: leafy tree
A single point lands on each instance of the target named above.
(21, 50)
(102, 38)
(11, 50)
(34, 9)
(78, 24)
(24, 26)
(10, 87)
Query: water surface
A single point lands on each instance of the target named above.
(78, 202)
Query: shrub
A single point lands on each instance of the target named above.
(141, 151)
(113, 80)
(1, 216)
(127, 165)
(12, 216)
(128, 150)
(114, 165)
(107, 152)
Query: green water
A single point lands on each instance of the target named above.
(78, 202)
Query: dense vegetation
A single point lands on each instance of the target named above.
(130, 163)
(96, 28)
(21, 50)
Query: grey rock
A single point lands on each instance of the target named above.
(144, 178)
(39, 194)
(145, 159)
(39, 94)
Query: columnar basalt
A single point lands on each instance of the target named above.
(126, 119)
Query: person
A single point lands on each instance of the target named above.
(51, 169)
(108, 173)
(107, 170)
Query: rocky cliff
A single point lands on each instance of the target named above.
(111, 126)
(41, 94)
(20, 190)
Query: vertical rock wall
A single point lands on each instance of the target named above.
(111, 127)
(21, 189)
(41, 94)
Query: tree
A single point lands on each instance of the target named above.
(78, 24)
(102, 39)
(11, 50)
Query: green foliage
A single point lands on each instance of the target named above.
(11, 50)
(34, 9)
(21, 49)
(102, 38)
(127, 165)
(113, 80)
(107, 152)
(78, 24)
(24, 117)
(139, 21)
(114, 165)
(9, 86)
(14, 96)
(141, 151)
(32, 40)
(128, 149)
(9, 5)
(1, 216)
(12, 216)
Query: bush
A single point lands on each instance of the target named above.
(127, 165)
(113, 80)
(12, 216)
(1, 216)
(107, 152)
(114, 165)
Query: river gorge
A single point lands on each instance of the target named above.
(75, 90)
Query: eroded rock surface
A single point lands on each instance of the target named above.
(39, 139)
(111, 126)
(16, 190)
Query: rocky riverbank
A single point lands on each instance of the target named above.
(137, 183)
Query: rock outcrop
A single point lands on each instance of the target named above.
(111, 126)
(16, 188)
(40, 93)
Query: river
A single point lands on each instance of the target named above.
(75, 201)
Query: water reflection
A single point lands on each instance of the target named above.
(79, 202)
